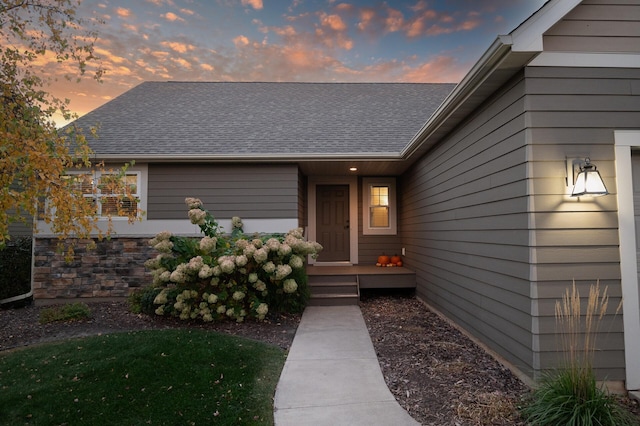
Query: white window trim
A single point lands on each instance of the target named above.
(139, 171)
(367, 183)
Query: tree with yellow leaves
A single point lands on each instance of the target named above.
(34, 155)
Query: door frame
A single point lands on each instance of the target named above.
(625, 140)
(352, 181)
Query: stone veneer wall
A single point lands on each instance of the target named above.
(114, 268)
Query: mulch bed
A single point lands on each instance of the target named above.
(435, 372)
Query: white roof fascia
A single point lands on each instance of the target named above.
(528, 36)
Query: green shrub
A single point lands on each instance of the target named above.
(141, 300)
(570, 396)
(68, 312)
(15, 264)
(233, 276)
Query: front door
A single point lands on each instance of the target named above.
(332, 222)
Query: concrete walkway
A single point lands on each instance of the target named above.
(332, 375)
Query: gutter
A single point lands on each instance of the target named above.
(382, 156)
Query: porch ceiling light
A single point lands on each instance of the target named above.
(588, 182)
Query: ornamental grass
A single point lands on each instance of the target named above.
(570, 395)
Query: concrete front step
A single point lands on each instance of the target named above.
(333, 300)
(333, 293)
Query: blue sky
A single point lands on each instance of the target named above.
(288, 40)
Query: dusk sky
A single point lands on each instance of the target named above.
(288, 40)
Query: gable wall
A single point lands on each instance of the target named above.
(247, 191)
(464, 223)
(597, 26)
(573, 113)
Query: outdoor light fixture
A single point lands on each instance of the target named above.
(588, 181)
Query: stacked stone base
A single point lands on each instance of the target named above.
(111, 269)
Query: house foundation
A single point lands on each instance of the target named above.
(98, 269)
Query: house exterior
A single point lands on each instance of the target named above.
(477, 177)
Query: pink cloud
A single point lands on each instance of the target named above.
(241, 41)
(172, 17)
(334, 22)
(443, 69)
(256, 4)
(123, 12)
(178, 46)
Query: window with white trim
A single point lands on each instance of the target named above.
(379, 206)
(107, 191)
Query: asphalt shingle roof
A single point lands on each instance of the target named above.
(239, 119)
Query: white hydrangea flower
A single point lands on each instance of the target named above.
(296, 262)
(197, 216)
(262, 309)
(241, 260)
(208, 244)
(221, 309)
(253, 277)
(273, 244)
(249, 251)
(260, 285)
(242, 244)
(269, 267)
(290, 285)
(205, 272)
(261, 255)
(164, 246)
(217, 271)
(212, 298)
(284, 249)
(257, 242)
(227, 264)
(161, 298)
(193, 203)
(160, 310)
(238, 295)
(236, 223)
(283, 271)
(195, 264)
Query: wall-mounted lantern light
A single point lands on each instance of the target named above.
(586, 179)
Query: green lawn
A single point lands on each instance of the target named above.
(167, 377)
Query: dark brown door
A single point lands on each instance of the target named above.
(332, 222)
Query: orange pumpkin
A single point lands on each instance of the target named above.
(383, 259)
(395, 259)
(399, 263)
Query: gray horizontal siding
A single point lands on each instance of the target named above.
(597, 26)
(465, 224)
(572, 113)
(247, 191)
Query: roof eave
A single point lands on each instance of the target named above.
(253, 158)
(506, 56)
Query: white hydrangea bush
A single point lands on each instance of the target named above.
(228, 276)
